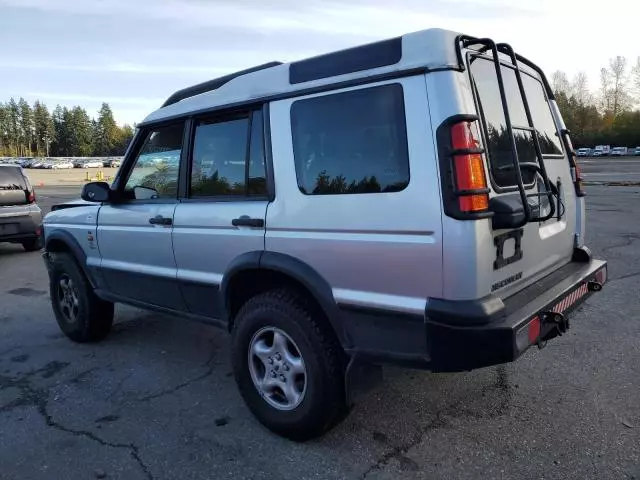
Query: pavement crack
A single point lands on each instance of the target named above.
(624, 277)
(629, 239)
(209, 371)
(505, 393)
(31, 396)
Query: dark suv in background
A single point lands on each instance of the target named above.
(20, 216)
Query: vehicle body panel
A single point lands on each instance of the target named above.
(352, 239)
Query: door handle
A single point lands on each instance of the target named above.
(247, 221)
(160, 220)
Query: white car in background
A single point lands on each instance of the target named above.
(62, 165)
(93, 164)
(619, 151)
(583, 152)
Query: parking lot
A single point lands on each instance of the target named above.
(157, 399)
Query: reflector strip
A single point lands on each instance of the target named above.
(601, 276)
(570, 299)
(534, 329)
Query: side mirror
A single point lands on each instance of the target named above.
(145, 193)
(96, 192)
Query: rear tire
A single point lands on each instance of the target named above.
(81, 315)
(312, 347)
(32, 245)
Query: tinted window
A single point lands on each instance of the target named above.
(220, 156)
(499, 146)
(541, 113)
(257, 182)
(11, 179)
(352, 142)
(156, 167)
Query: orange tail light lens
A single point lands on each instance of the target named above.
(469, 168)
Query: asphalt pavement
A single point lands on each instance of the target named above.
(157, 400)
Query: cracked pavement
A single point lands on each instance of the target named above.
(157, 400)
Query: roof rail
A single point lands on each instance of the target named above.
(214, 84)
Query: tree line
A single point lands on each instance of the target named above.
(32, 130)
(607, 116)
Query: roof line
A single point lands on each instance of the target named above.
(214, 84)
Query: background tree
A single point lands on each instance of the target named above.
(26, 127)
(43, 127)
(13, 127)
(620, 97)
(107, 132)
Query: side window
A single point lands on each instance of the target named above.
(155, 170)
(352, 142)
(228, 157)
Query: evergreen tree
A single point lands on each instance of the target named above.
(107, 132)
(13, 127)
(26, 127)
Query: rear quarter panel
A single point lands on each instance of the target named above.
(380, 250)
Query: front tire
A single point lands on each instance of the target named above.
(81, 315)
(288, 365)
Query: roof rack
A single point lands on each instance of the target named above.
(214, 84)
(550, 190)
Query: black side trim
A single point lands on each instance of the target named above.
(268, 152)
(246, 261)
(62, 206)
(214, 84)
(110, 297)
(313, 282)
(450, 192)
(365, 57)
(74, 247)
(383, 336)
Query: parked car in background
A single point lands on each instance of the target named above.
(636, 151)
(115, 163)
(583, 152)
(20, 216)
(619, 152)
(601, 150)
(63, 165)
(92, 164)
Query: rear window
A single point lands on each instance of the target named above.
(490, 106)
(11, 179)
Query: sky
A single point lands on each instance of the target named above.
(134, 53)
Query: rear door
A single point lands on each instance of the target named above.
(543, 245)
(222, 214)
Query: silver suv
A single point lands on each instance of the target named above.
(415, 201)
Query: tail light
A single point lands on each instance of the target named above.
(468, 168)
(577, 178)
(32, 196)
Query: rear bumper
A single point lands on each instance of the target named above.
(466, 335)
(16, 228)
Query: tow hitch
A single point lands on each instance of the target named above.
(559, 325)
